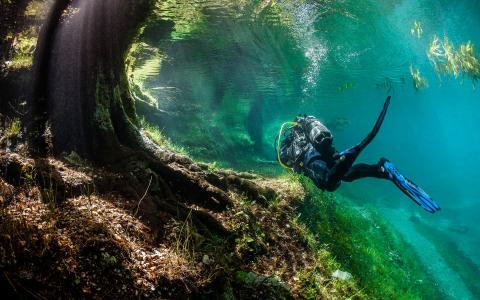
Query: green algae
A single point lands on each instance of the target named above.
(417, 29)
(419, 82)
(381, 262)
(461, 62)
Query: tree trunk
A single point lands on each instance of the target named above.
(81, 85)
(82, 96)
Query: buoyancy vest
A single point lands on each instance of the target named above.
(305, 133)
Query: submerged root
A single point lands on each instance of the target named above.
(98, 238)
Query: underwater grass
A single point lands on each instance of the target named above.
(384, 266)
(157, 136)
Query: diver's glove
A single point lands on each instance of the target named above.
(409, 188)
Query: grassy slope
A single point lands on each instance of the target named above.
(71, 236)
(287, 247)
(384, 266)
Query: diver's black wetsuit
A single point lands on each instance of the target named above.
(323, 164)
(308, 149)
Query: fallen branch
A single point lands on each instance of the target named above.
(144, 195)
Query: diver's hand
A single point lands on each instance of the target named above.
(347, 154)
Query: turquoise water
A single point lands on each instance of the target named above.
(231, 74)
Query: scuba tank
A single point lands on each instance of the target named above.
(296, 138)
(317, 134)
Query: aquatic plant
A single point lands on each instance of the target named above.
(441, 54)
(447, 60)
(11, 131)
(468, 61)
(364, 245)
(23, 48)
(157, 136)
(419, 82)
(417, 29)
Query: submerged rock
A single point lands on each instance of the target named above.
(272, 286)
(341, 275)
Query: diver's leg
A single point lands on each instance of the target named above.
(359, 171)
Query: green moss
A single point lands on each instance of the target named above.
(102, 117)
(188, 16)
(75, 159)
(157, 136)
(37, 8)
(381, 263)
(103, 98)
(24, 44)
(12, 129)
(21, 61)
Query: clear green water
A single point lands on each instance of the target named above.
(228, 76)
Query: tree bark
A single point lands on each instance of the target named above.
(81, 86)
(82, 96)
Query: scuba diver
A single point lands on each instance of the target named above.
(306, 146)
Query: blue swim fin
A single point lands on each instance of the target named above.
(409, 188)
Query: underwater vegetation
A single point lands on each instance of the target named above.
(10, 133)
(22, 39)
(448, 60)
(23, 48)
(419, 82)
(365, 245)
(417, 29)
(159, 138)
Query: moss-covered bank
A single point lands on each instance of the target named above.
(71, 230)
